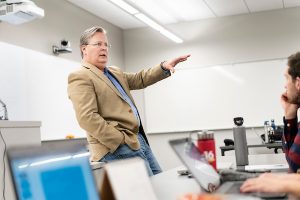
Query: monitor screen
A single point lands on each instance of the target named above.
(53, 177)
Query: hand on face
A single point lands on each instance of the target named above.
(169, 65)
(290, 109)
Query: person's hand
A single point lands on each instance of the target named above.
(290, 109)
(265, 183)
(169, 65)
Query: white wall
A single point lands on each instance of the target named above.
(33, 82)
(62, 20)
(240, 38)
(210, 97)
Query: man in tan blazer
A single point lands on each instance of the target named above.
(104, 106)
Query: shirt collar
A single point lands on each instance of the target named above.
(106, 70)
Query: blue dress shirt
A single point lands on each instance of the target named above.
(125, 97)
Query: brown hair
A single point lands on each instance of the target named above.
(294, 65)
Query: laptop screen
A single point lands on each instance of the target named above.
(196, 163)
(52, 174)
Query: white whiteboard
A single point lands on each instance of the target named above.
(209, 98)
(34, 87)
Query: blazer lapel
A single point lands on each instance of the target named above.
(101, 75)
(117, 76)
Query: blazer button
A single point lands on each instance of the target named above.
(130, 111)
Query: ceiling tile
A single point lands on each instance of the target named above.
(174, 11)
(259, 5)
(154, 10)
(188, 10)
(109, 12)
(291, 3)
(227, 7)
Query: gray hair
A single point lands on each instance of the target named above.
(88, 33)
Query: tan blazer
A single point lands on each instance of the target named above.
(100, 109)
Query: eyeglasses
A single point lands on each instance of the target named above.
(99, 44)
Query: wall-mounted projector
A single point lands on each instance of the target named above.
(19, 11)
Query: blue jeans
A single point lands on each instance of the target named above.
(145, 152)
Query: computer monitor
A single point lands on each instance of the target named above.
(196, 163)
(205, 174)
(52, 173)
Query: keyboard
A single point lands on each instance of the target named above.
(233, 175)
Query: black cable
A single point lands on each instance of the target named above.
(2, 117)
(4, 153)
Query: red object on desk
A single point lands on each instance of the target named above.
(206, 145)
(201, 197)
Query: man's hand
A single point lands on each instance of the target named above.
(169, 65)
(271, 182)
(290, 109)
(267, 182)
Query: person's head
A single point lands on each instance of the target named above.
(292, 75)
(94, 46)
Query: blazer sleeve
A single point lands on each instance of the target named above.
(82, 93)
(145, 77)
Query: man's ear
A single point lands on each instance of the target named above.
(83, 49)
(297, 83)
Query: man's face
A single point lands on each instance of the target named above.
(292, 88)
(96, 51)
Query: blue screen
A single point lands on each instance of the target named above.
(72, 186)
(54, 178)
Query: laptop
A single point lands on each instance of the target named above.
(207, 177)
(55, 172)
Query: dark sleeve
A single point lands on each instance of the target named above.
(290, 129)
(291, 143)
